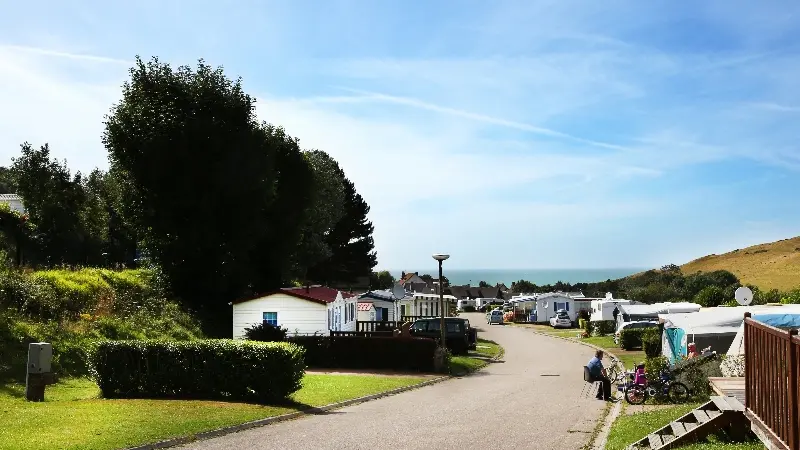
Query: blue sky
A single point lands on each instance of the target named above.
(551, 134)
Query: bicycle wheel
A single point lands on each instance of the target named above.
(635, 395)
(678, 392)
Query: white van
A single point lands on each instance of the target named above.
(465, 302)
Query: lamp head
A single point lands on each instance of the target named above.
(440, 257)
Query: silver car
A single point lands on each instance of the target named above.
(561, 320)
(494, 316)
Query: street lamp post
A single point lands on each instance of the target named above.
(440, 258)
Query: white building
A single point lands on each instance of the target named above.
(14, 202)
(343, 312)
(603, 309)
(303, 310)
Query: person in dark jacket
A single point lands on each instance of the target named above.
(598, 373)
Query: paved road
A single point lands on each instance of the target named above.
(530, 399)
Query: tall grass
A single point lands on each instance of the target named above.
(72, 308)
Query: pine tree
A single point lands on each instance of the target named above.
(350, 241)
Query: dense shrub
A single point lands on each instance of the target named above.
(654, 366)
(710, 296)
(651, 342)
(631, 338)
(469, 308)
(71, 338)
(264, 332)
(390, 353)
(583, 324)
(65, 294)
(602, 327)
(732, 366)
(206, 369)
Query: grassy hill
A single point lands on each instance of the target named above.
(775, 265)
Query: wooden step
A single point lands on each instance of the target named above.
(690, 426)
(678, 429)
(721, 403)
(713, 414)
(735, 404)
(654, 440)
(701, 416)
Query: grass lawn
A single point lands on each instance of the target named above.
(462, 365)
(630, 428)
(73, 416)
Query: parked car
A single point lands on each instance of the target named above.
(494, 316)
(457, 334)
(629, 325)
(561, 320)
(472, 335)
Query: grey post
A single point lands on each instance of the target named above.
(39, 375)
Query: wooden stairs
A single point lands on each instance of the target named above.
(718, 414)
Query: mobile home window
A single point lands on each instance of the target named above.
(271, 318)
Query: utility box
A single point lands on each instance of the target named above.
(40, 357)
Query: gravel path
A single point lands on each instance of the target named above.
(530, 399)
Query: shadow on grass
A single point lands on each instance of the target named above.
(12, 389)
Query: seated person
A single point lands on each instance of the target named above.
(598, 373)
(639, 375)
(692, 350)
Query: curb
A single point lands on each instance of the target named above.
(598, 442)
(282, 418)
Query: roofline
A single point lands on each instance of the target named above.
(290, 291)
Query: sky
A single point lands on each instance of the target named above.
(509, 134)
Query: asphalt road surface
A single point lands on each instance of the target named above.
(529, 399)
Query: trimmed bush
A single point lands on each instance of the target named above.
(207, 369)
(631, 338)
(654, 366)
(603, 327)
(651, 342)
(264, 332)
(358, 352)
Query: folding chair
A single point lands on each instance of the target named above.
(590, 386)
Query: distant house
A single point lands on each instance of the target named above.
(303, 310)
(411, 277)
(383, 304)
(14, 202)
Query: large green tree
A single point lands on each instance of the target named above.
(68, 217)
(324, 213)
(350, 242)
(216, 197)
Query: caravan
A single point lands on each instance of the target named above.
(603, 309)
(463, 303)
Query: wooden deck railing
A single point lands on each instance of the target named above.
(771, 385)
(361, 333)
(377, 325)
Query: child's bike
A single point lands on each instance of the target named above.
(675, 391)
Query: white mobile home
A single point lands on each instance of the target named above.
(466, 302)
(635, 313)
(548, 304)
(603, 309)
(301, 310)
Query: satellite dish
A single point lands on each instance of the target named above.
(398, 291)
(744, 296)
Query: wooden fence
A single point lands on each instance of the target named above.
(771, 384)
(361, 333)
(377, 325)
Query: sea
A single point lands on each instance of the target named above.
(536, 276)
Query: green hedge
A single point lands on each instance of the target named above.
(651, 342)
(206, 369)
(631, 338)
(356, 352)
(601, 327)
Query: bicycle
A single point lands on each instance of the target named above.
(665, 386)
